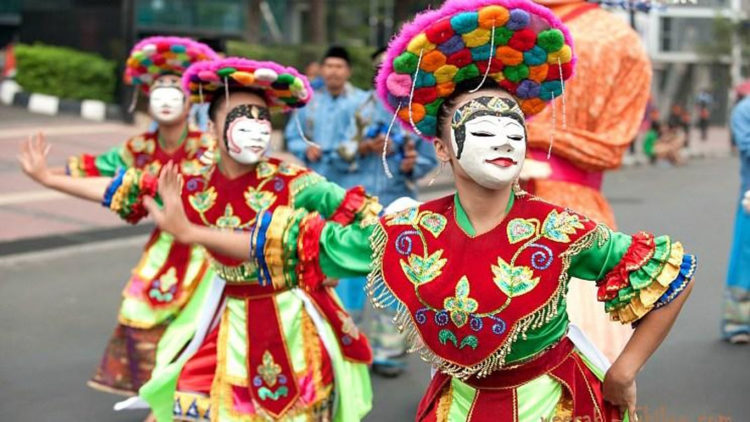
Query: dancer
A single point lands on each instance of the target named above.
(735, 325)
(603, 109)
(168, 273)
(479, 277)
(273, 351)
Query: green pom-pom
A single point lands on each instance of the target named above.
(288, 100)
(427, 125)
(297, 85)
(285, 78)
(405, 63)
(466, 72)
(502, 35)
(225, 71)
(550, 40)
(433, 107)
(516, 73)
(154, 69)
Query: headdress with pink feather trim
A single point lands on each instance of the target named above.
(519, 44)
(284, 87)
(156, 56)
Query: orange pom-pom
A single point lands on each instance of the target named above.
(445, 89)
(493, 16)
(538, 73)
(509, 56)
(432, 61)
(417, 112)
(244, 78)
(532, 106)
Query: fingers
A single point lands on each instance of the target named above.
(150, 205)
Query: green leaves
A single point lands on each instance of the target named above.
(422, 270)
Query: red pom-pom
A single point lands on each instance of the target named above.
(440, 31)
(495, 66)
(523, 40)
(425, 95)
(159, 60)
(553, 73)
(162, 46)
(461, 58)
(508, 86)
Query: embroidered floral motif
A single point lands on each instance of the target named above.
(348, 326)
(191, 167)
(203, 201)
(258, 199)
(445, 336)
(265, 170)
(557, 226)
(422, 270)
(288, 169)
(269, 370)
(433, 222)
(460, 305)
(406, 217)
(228, 220)
(513, 280)
(265, 393)
(521, 229)
(141, 144)
(164, 289)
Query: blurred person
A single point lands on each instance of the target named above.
(326, 119)
(649, 141)
(602, 113)
(669, 146)
(409, 158)
(735, 324)
(312, 71)
(168, 273)
(703, 103)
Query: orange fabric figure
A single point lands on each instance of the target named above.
(604, 106)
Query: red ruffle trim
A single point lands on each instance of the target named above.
(88, 165)
(352, 203)
(308, 268)
(641, 250)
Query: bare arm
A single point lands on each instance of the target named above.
(619, 383)
(33, 160)
(172, 219)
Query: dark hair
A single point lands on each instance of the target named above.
(219, 98)
(339, 53)
(450, 102)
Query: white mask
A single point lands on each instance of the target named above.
(166, 104)
(247, 133)
(493, 149)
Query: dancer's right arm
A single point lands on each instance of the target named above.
(33, 161)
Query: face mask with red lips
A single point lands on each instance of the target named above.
(247, 133)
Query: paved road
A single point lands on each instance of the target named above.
(57, 310)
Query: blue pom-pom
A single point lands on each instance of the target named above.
(519, 19)
(535, 57)
(527, 89)
(425, 79)
(550, 89)
(427, 125)
(452, 45)
(481, 53)
(465, 22)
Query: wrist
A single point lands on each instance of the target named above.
(622, 371)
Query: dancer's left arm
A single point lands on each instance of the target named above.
(642, 279)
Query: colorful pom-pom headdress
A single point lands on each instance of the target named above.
(156, 56)
(519, 44)
(284, 87)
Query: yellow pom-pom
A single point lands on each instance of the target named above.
(477, 37)
(565, 54)
(420, 43)
(445, 73)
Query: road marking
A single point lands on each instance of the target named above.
(30, 196)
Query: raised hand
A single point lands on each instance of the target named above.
(171, 216)
(33, 158)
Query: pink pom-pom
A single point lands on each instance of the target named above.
(399, 84)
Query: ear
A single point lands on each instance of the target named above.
(212, 129)
(442, 150)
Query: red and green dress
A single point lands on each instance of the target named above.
(488, 311)
(167, 274)
(280, 346)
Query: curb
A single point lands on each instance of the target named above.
(43, 243)
(12, 94)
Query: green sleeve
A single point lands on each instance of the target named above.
(604, 253)
(345, 251)
(318, 194)
(108, 162)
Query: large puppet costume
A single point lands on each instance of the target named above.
(168, 273)
(603, 108)
(479, 277)
(281, 347)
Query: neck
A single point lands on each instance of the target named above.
(336, 91)
(485, 208)
(231, 168)
(172, 134)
